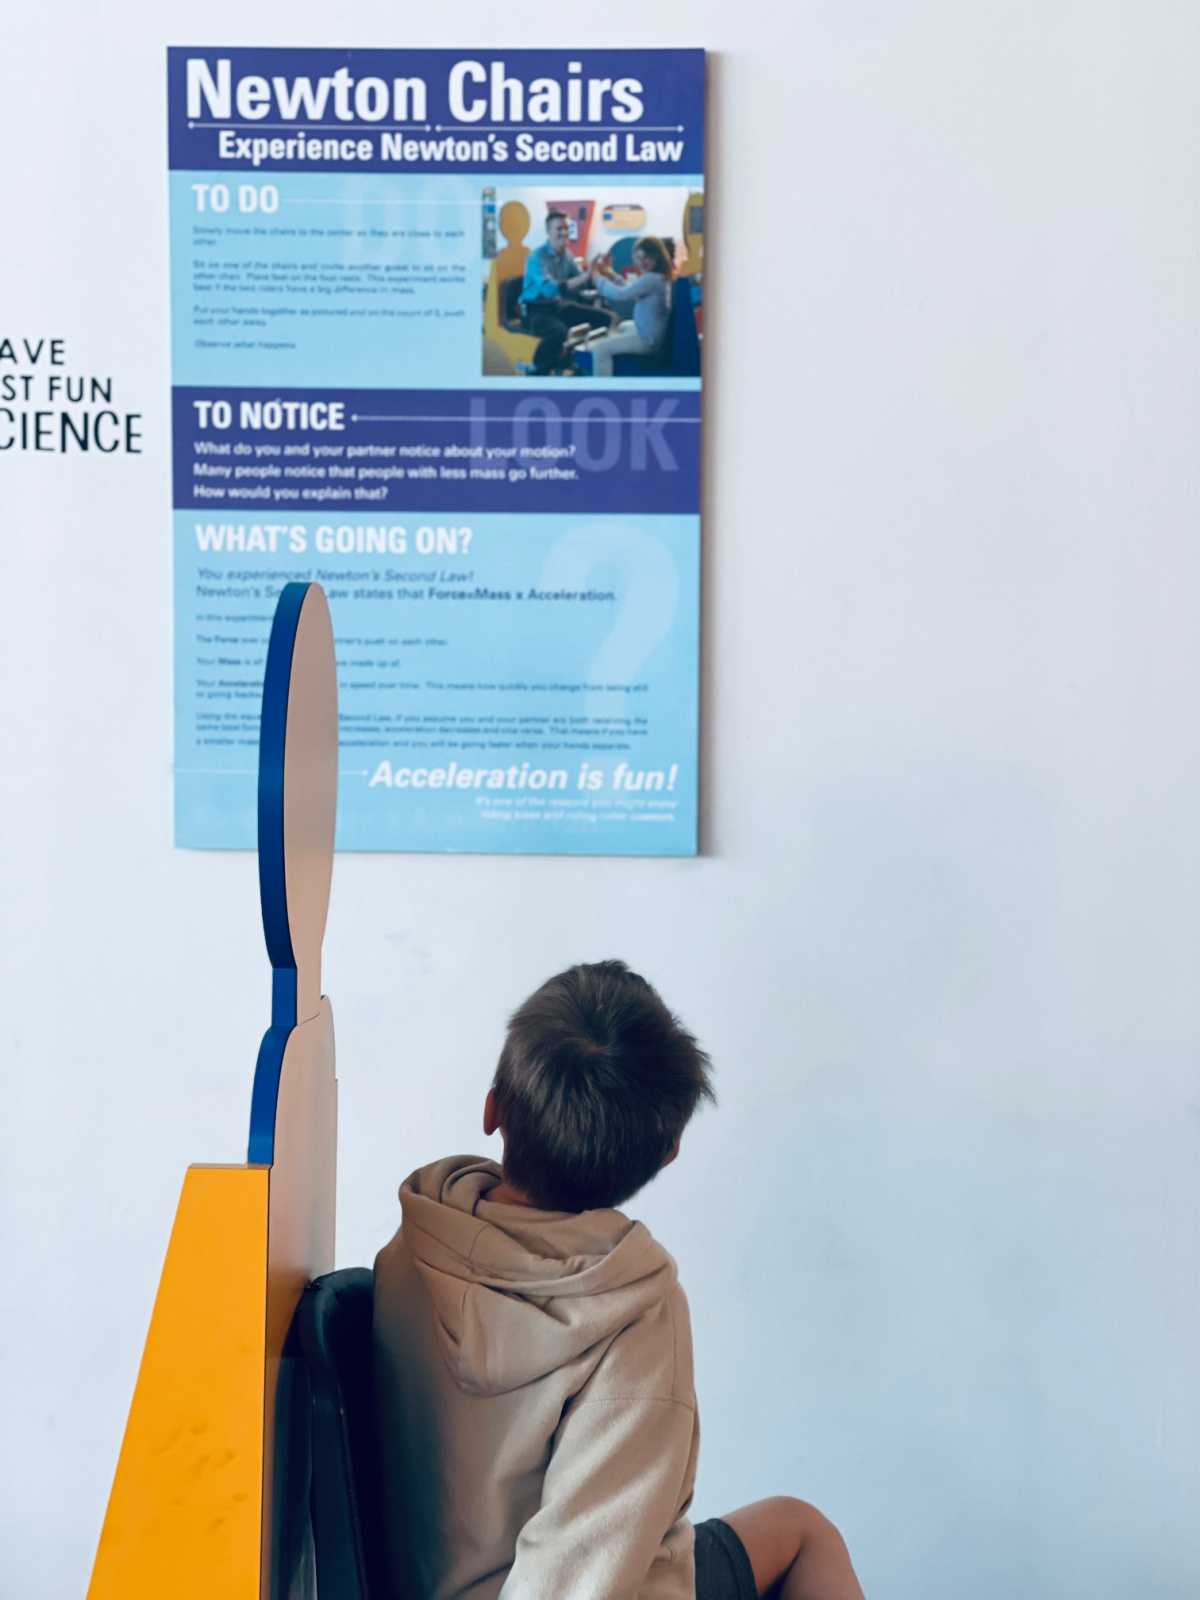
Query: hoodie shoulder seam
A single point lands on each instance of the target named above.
(462, 1320)
(674, 1341)
(480, 1230)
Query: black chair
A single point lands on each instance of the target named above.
(333, 1331)
(510, 305)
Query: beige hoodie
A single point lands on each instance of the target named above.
(533, 1376)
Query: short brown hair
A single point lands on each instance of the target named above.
(596, 1082)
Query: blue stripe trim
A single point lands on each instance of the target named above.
(272, 876)
(261, 1150)
(283, 997)
(272, 881)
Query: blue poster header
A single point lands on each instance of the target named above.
(628, 111)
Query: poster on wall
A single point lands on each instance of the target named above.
(436, 329)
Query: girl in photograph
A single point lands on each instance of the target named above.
(649, 294)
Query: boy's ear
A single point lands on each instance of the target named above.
(491, 1114)
(672, 1156)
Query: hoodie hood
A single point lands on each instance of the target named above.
(518, 1293)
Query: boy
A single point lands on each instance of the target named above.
(533, 1357)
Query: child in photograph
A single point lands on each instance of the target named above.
(550, 303)
(533, 1356)
(649, 293)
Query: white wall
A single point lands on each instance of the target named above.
(941, 1235)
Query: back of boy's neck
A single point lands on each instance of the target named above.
(507, 1194)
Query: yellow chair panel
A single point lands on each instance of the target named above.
(185, 1514)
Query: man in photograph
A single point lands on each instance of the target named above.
(550, 300)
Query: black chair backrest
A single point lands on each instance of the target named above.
(333, 1324)
(510, 303)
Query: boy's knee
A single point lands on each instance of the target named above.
(799, 1517)
(788, 1508)
(774, 1531)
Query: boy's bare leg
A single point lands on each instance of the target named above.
(795, 1553)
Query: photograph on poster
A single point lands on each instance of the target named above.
(605, 283)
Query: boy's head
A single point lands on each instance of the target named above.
(596, 1083)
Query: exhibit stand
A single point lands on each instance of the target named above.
(196, 1506)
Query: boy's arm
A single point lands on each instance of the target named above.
(614, 1487)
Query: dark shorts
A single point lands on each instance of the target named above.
(723, 1570)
